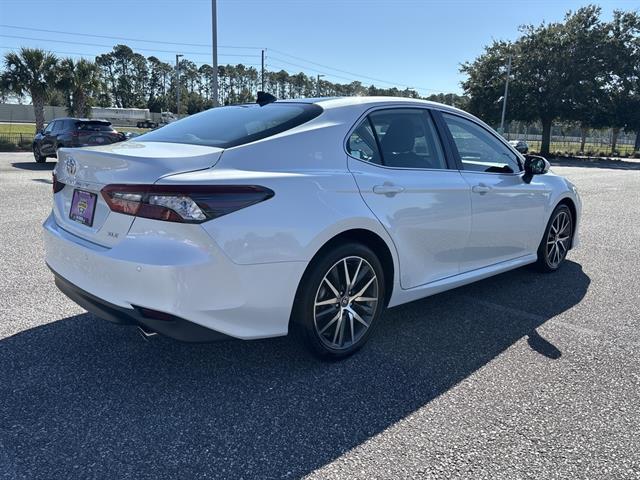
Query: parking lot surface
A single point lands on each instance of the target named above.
(523, 375)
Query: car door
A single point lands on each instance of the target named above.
(507, 210)
(402, 172)
(45, 145)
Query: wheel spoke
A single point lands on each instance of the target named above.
(328, 302)
(359, 318)
(346, 274)
(353, 337)
(329, 323)
(365, 299)
(364, 289)
(333, 289)
(355, 277)
(335, 335)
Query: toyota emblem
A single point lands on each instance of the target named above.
(70, 166)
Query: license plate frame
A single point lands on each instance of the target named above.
(83, 207)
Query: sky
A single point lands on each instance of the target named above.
(402, 43)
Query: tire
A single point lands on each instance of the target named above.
(341, 324)
(556, 240)
(38, 156)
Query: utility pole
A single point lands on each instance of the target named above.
(506, 93)
(178, 84)
(318, 85)
(214, 49)
(262, 72)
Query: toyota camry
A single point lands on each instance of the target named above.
(306, 215)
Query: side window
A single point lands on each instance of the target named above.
(478, 149)
(49, 128)
(362, 143)
(408, 139)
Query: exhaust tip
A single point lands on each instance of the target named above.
(145, 332)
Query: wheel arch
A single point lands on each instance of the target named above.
(574, 214)
(370, 239)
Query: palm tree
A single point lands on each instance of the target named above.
(31, 71)
(80, 80)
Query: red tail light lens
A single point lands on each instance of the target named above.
(186, 204)
(57, 186)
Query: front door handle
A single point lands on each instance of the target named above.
(388, 189)
(481, 189)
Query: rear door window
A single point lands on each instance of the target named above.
(234, 125)
(93, 127)
(362, 143)
(408, 139)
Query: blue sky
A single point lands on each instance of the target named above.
(412, 43)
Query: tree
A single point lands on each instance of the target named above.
(80, 80)
(558, 70)
(32, 72)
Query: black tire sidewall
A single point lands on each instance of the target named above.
(543, 260)
(303, 311)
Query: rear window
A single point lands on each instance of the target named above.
(94, 127)
(226, 127)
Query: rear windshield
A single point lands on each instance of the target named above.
(226, 127)
(94, 127)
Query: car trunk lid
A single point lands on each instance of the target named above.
(80, 208)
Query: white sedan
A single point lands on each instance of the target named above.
(311, 215)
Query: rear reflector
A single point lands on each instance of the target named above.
(57, 186)
(185, 203)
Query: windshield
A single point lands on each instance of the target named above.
(226, 127)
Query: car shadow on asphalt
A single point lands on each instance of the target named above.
(84, 398)
(34, 166)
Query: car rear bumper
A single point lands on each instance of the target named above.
(170, 326)
(176, 270)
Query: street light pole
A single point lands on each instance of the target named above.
(178, 84)
(318, 85)
(506, 94)
(214, 49)
(262, 72)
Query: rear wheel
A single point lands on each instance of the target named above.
(340, 300)
(39, 158)
(556, 241)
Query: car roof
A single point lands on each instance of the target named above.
(370, 101)
(80, 119)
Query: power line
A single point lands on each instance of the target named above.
(346, 71)
(301, 59)
(84, 55)
(111, 37)
(136, 47)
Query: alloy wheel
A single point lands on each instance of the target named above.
(346, 302)
(558, 239)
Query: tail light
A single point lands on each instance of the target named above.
(57, 185)
(185, 204)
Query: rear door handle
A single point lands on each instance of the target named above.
(388, 189)
(481, 189)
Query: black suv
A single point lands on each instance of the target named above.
(72, 132)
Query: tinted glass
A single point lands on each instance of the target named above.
(479, 150)
(408, 139)
(230, 126)
(362, 143)
(49, 128)
(93, 127)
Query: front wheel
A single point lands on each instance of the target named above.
(39, 158)
(340, 300)
(556, 241)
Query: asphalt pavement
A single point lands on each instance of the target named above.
(523, 375)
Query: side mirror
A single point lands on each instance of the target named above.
(535, 165)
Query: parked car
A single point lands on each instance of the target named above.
(312, 215)
(72, 132)
(521, 145)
